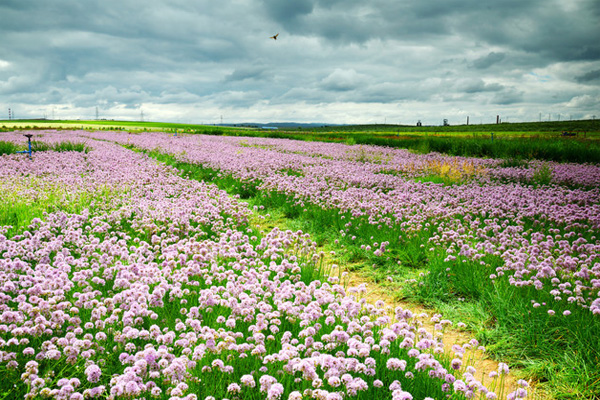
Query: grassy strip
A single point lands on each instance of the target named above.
(558, 351)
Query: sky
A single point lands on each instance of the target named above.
(334, 61)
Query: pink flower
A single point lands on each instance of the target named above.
(93, 373)
(233, 388)
(248, 380)
(275, 391)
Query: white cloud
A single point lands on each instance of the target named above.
(342, 80)
(584, 101)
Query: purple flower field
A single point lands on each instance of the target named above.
(494, 211)
(157, 286)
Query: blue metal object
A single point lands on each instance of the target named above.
(28, 136)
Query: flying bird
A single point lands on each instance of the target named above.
(274, 37)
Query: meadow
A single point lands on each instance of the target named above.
(132, 267)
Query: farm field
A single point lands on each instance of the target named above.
(131, 267)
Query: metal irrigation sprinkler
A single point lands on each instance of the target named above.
(28, 136)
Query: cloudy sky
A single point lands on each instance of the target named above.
(334, 61)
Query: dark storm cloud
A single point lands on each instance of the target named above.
(509, 96)
(489, 60)
(568, 32)
(253, 72)
(356, 59)
(477, 86)
(589, 77)
(285, 12)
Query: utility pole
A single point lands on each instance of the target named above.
(9, 114)
(467, 120)
(97, 113)
(142, 115)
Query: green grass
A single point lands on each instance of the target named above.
(8, 148)
(70, 146)
(559, 352)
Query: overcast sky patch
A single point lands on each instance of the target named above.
(334, 61)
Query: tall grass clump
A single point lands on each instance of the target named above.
(38, 145)
(8, 147)
(70, 146)
(542, 175)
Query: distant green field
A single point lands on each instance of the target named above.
(582, 128)
(566, 141)
(105, 124)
